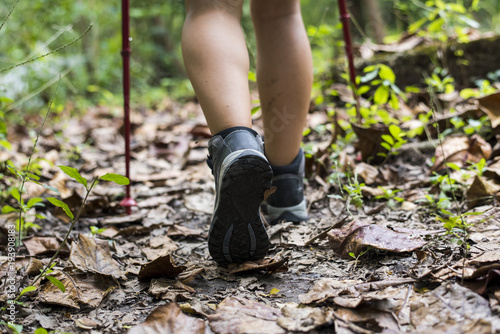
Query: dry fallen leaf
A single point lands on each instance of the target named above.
(490, 104)
(160, 246)
(302, 318)
(37, 246)
(481, 189)
(169, 319)
(86, 289)
(266, 264)
(89, 255)
(160, 267)
(460, 150)
(357, 236)
(369, 140)
(368, 172)
(238, 315)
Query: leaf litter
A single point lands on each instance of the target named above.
(379, 268)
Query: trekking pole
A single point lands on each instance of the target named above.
(127, 202)
(344, 18)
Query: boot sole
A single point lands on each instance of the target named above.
(237, 233)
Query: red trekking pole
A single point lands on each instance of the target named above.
(127, 202)
(344, 18)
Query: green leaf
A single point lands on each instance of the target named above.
(381, 95)
(116, 178)
(386, 73)
(363, 89)
(33, 176)
(395, 130)
(62, 205)
(6, 144)
(370, 75)
(351, 254)
(467, 93)
(453, 166)
(41, 330)
(252, 77)
(416, 25)
(27, 289)
(386, 146)
(255, 109)
(33, 201)
(388, 139)
(17, 328)
(8, 209)
(73, 173)
(56, 282)
(15, 193)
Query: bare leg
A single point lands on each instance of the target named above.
(216, 60)
(284, 75)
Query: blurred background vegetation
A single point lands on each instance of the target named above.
(91, 68)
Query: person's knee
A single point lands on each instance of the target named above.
(200, 6)
(270, 10)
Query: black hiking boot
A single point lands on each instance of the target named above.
(242, 175)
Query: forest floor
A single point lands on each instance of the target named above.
(151, 271)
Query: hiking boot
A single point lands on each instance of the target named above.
(242, 175)
(288, 202)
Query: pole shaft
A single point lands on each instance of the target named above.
(344, 18)
(126, 89)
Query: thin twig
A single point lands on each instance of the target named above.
(48, 53)
(325, 232)
(9, 13)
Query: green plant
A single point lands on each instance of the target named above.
(393, 141)
(356, 257)
(95, 230)
(351, 192)
(484, 88)
(390, 196)
(382, 78)
(443, 20)
(440, 81)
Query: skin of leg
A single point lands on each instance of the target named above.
(216, 60)
(284, 75)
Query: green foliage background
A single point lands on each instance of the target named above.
(91, 68)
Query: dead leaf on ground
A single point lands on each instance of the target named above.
(460, 150)
(483, 278)
(159, 246)
(183, 231)
(368, 172)
(170, 289)
(133, 218)
(357, 236)
(490, 104)
(201, 201)
(352, 293)
(444, 309)
(161, 267)
(169, 319)
(238, 315)
(369, 140)
(266, 264)
(90, 254)
(37, 246)
(303, 318)
(480, 190)
(82, 289)
(368, 318)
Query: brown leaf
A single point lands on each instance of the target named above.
(183, 231)
(169, 319)
(303, 319)
(86, 289)
(160, 267)
(238, 315)
(368, 172)
(266, 264)
(351, 293)
(159, 246)
(44, 246)
(89, 255)
(369, 140)
(490, 104)
(460, 150)
(480, 189)
(357, 236)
